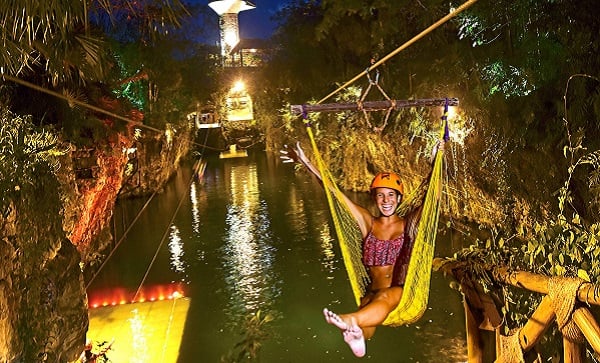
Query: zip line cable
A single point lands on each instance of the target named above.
(120, 240)
(83, 104)
(75, 101)
(458, 10)
(402, 47)
(163, 238)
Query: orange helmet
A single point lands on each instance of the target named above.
(387, 180)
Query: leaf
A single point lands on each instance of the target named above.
(583, 275)
(571, 237)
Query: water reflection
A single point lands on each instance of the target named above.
(248, 251)
(195, 199)
(296, 213)
(139, 338)
(176, 250)
(437, 343)
(328, 253)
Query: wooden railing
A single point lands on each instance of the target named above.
(577, 325)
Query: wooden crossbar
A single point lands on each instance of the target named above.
(298, 110)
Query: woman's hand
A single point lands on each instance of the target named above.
(293, 154)
(296, 155)
(439, 146)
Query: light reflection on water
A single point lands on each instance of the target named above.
(328, 260)
(195, 199)
(248, 251)
(177, 251)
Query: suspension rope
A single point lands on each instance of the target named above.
(77, 102)
(82, 104)
(364, 96)
(139, 289)
(120, 240)
(402, 47)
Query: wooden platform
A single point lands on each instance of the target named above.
(142, 332)
(233, 152)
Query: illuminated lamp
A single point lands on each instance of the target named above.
(228, 11)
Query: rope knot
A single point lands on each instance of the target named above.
(510, 348)
(359, 105)
(563, 293)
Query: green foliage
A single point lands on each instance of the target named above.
(26, 154)
(563, 245)
(507, 80)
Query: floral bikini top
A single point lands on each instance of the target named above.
(378, 252)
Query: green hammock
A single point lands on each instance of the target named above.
(421, 211)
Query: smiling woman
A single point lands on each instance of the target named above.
(386, 247)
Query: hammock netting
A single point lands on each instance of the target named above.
(421, 212)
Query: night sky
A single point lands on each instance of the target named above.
(257, 23)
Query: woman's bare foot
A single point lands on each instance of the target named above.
(334, 319)
(353, 336)
(352, 333)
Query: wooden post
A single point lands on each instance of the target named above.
(544, 314)
(572, 351)
(298, 110)
(588, 326)
(537, 324)
(474, 342)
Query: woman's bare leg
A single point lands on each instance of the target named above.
(371, 314)
(360, 325)
(377, 310)
(368, 332)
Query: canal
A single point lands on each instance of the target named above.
(251, 247)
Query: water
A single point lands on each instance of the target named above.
(255, 237)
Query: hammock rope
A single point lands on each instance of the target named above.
(415, 295)
(421, 207)
(345, 225)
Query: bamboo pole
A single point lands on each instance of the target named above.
(525, 280)
(537, 324)
(572, 352)
(539, 283)
(298, 110)
(588, 326)
(474, 342)
(498, 344)
(402, 47)
(544, 314)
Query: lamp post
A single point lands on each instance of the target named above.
(228, 11)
